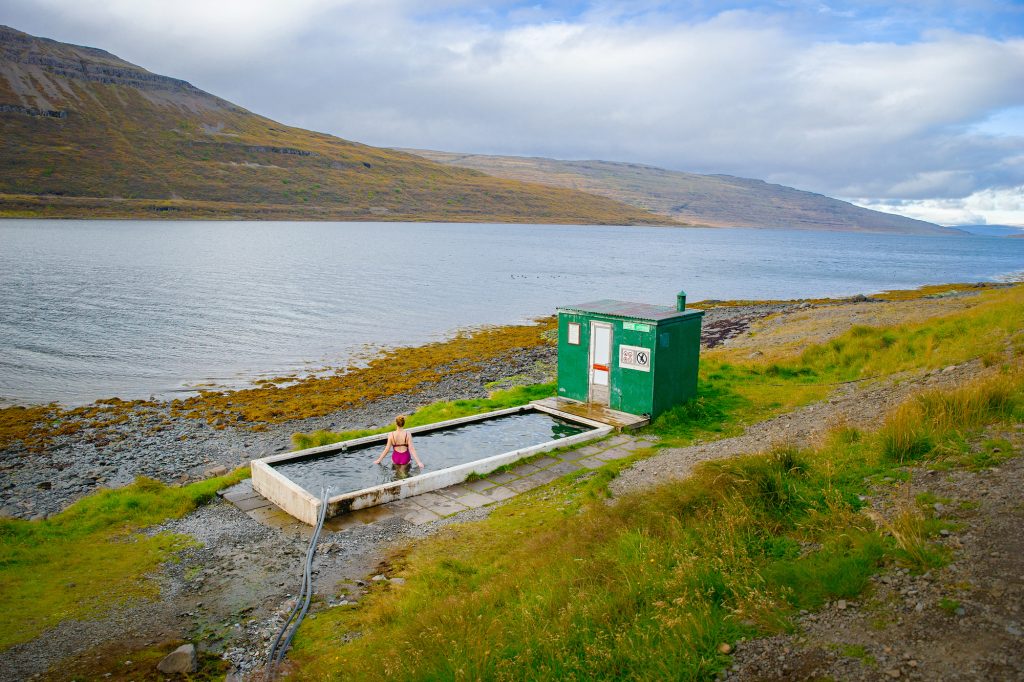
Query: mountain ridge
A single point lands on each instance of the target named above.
(84, 133)
(715, 200)
(987, 230)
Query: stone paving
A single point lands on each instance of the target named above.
(454, 499)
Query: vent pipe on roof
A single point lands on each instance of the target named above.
(681, 301)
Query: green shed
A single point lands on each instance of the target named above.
(632, 357)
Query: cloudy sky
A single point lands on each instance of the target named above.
(911, 107)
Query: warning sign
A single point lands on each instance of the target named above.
(634, 357)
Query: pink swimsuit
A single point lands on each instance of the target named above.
(400, 458)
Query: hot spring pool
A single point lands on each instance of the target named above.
(451, 451)
(353, 469)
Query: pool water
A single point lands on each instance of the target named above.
(354, 470)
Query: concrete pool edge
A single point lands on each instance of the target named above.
(304, 506)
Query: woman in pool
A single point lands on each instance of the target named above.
(400, 441)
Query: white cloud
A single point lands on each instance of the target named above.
(985, 207)
(230, 29)
(739, 93)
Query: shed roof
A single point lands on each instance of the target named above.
(635, 311)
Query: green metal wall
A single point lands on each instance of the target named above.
(678, 357)
(632, 389)
(573, 381)
(675, 355)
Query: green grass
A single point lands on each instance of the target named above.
(880, 351)
(558, 585)
(732, 393)
(994, 451)
(730, 396)
(949, 605)
(562, 587)
(89, 559)
(937, 422)
(435, 412)
(859, 652)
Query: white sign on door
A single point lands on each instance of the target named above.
(634, 357)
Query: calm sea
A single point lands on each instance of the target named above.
(92, 309)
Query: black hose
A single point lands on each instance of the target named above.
(276, 655)
(303, 598)
(309, 581)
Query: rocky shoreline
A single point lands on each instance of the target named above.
(36, 485)
(176, 449)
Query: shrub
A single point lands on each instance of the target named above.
(905, 436)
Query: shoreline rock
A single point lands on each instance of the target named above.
(39, 484)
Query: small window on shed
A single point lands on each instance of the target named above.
(574, 333)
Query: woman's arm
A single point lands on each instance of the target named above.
(387, 446)
(412, 451)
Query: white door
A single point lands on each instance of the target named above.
(600, 361)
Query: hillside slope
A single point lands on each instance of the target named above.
(714, 200)
(84, 133)
(993, 230)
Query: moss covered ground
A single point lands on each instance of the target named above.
(399, 371)
(91, 558)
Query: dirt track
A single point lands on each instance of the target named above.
(961, 622)
(861, 404)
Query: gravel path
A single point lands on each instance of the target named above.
(962, 622)
(862, 404)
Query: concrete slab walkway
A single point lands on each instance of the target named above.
(457, 498)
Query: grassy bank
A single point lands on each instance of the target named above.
(926, 291)
(735, 389)
(556, 586)
(90, 558)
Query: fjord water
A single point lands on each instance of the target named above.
(353, 470)
(94, 309)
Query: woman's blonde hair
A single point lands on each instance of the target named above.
(400, 420)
